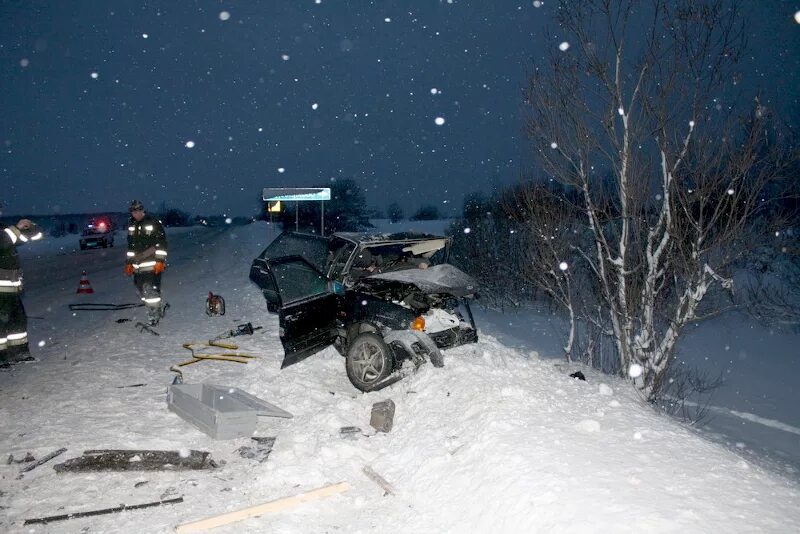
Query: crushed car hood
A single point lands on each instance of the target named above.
(437, 279)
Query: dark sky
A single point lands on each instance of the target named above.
(101, 100)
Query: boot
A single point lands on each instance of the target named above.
(153, 316)
(18, 353)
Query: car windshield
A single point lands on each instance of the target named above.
(391, 257)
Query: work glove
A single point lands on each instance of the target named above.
(128, 269)
(159, 267)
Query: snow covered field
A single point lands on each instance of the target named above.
(499, 440)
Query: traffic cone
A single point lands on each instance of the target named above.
(84, 286)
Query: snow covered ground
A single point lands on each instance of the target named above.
(499, 440)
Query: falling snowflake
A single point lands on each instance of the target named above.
(314, 106)
(537, 3)
(691, 124)
(387, 19)
(553, 145)
(281, 170)
(94, 75)
(467, 230)
(145, 36)
(224, 15)
(228, 220)
(730, 191)
(24, 62)
(41, 343)
(189, 144)
(635, 370)
(563, 46)
(285, 57)
(434, 91)
(621, 111)
(439, 121)
(797, 17)
(563, 266)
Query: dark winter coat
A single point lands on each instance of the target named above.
(147, 243)
(10, 274)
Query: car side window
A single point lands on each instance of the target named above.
(298, 280)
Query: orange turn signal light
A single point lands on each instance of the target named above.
(418, 324)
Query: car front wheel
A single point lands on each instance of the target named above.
(368, 361)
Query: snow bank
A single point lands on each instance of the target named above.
(496, 441)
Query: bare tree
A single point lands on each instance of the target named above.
(687, 174)
(549, 225)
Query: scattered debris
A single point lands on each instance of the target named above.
(137, 460)
(578, 375)
(120, 508)
(379, 480)
(132, 386)
(179, 377)
(215, 304)
(349, 430)
(140, 483)
(245, 329)
(122, 320)
(260, 452)
(261, 509)
(382, 418)
(27, 458)
(197, 356)
(10, 364)
(90, 306)
(43, 460)
(222, 412)
(169, 492)
(146, 328)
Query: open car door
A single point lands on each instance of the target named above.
(306, 307)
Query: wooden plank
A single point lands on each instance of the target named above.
(379, 480)
(261, 509)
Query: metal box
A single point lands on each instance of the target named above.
(382, 417)
(219, 411)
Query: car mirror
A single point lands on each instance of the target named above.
(336, 287)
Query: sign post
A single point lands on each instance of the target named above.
(299, 194)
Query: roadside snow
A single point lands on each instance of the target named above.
(499, 440)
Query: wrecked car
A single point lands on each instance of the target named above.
(386, 302)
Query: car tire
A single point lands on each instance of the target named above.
(368, 361)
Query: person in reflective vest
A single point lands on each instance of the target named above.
(13, 321)
(146, 259)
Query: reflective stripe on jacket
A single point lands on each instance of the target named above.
(147, 243)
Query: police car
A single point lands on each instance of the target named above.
(97, 234)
